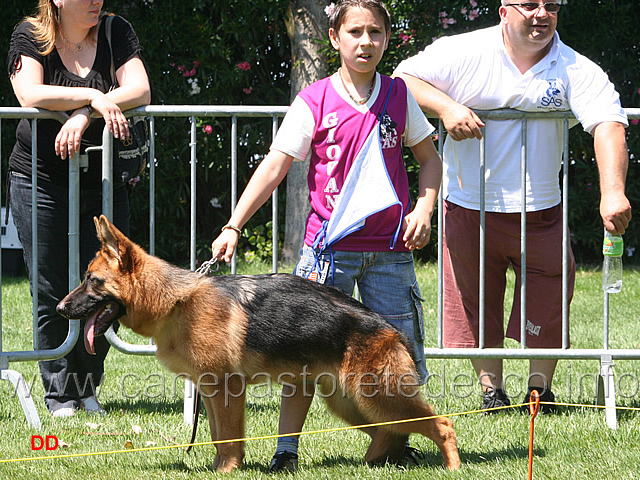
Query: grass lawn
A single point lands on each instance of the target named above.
(144, 404)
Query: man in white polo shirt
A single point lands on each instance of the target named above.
(520, 64)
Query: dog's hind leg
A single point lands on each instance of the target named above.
(386, 446)
(225, 408)
(383, 384)
(439, 429)
(344, 408)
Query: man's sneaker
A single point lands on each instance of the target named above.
(92, 405)
(546, 396)
(493, 399)
(284, 462)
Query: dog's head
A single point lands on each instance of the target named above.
(101, 297)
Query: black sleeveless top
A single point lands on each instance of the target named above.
(125, 45)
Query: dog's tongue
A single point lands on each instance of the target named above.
(89, 329)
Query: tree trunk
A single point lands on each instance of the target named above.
(306, 23)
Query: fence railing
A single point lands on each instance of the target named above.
(605, 355)
(37, 354)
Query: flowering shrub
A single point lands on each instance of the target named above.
(230, 52)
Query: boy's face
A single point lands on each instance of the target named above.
(361, 40)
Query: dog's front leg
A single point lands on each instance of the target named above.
(225, 408)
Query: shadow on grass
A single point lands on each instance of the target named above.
(629, 411)
(162, 405)
(511, 453)
(206, 466)
(430, 460)
(145, 405)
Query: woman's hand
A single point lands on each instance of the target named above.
(114, 119)
(68, 140)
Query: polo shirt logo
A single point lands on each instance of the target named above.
(552, 97)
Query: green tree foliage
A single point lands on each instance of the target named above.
(234, 52)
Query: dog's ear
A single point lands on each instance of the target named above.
(110, 237)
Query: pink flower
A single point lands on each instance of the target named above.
(639, 90)
(181, 68)
(247, 90)
(208, 129)
(473, 14)
(635, 121)
(473, 3)
(405, 38)
(329, 9)
(196, 64)
(246, 66)
(445, 21)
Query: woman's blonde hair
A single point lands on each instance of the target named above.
(46, 23)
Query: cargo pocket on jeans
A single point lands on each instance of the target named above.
(418, 316)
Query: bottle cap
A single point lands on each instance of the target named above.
(613, 246)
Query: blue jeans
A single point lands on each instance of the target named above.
(77, 375)
(386, 283)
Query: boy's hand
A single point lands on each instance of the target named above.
(417, 232)
(223, 247)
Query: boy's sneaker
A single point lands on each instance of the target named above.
(284, 462)
(411, 457)
(493, 399)
(545, 396)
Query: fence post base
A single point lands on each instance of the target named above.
(189, 402)
(607, 391)
(26, 400)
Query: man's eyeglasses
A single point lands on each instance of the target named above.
(550, 7)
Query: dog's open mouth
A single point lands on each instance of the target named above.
(98, 323)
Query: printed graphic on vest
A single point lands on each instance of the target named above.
(388, 133)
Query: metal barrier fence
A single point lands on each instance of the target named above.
(36, 354)
(605, 355)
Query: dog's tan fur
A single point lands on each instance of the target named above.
(203, 327)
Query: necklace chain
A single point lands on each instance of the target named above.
(363, 100)
(78, 46)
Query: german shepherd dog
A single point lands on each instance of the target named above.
(239, 329)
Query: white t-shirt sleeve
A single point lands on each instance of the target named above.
(296, 131)
(434, 64)
(592, 97)
(417, 127)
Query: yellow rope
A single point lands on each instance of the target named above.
(313, 432)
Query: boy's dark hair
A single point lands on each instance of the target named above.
(342, 6)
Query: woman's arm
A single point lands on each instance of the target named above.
(133, 91)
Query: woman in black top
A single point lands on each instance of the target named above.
(60, 60)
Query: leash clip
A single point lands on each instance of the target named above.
(207, 268)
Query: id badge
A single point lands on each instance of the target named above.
(319, 272)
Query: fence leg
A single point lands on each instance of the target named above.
(26, 400)
(607, 391)
(189, 402)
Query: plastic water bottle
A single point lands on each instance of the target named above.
(612, 249)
